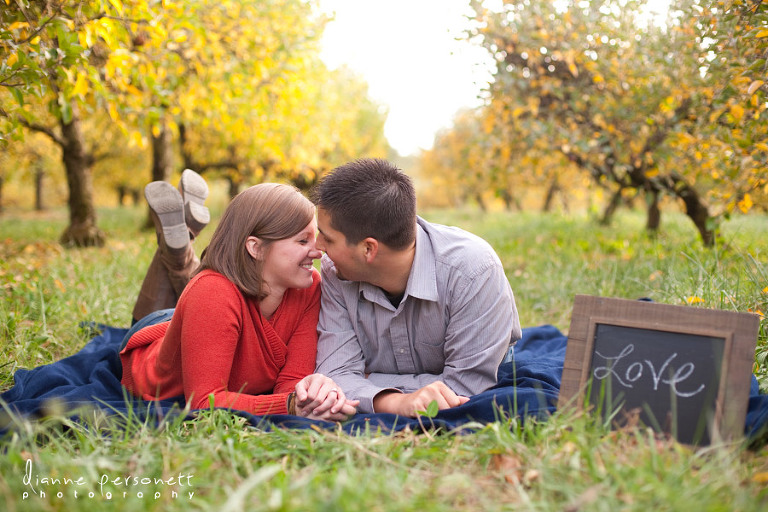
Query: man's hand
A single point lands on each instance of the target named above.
(408, 404)
(319, 398)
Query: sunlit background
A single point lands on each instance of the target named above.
(416, 59)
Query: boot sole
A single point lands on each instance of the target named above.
(166, 205)
(194, 191)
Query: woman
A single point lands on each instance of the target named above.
(243, 332)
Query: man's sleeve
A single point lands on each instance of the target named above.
(482, 322)
(482, 325)
(339, 355)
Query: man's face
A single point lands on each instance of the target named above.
(334, 244)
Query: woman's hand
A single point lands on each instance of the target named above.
(319, 398)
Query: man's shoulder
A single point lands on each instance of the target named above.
(457, 247)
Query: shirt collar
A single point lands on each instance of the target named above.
(422, 281)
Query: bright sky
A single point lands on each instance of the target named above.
(407, 51)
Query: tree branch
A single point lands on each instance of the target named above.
(35, 127)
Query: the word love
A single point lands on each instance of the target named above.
(627, 371)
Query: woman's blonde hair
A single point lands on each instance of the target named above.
(270, 212)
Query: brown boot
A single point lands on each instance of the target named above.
(167, 275)
(175, 261)
(179, 267)
(156, 291)
(194, 190)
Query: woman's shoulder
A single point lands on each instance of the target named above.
(211, 283)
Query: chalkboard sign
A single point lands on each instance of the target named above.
(680, 370)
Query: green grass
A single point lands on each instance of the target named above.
(567, 463)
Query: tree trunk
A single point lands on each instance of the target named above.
(162, 154)
(510, 201)
(162, 161)
(564, 200)
(653, 220)
(122, 191)
(696, 210)
(234, 186)
(82, 230)
(554, 188)
(39, 201)
(480, 202)
(613, 205)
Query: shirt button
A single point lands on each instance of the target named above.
(402, 351)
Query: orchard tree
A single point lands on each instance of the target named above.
(213, 83)
(589, 80)
(73, 57)
(328, 119)
(733, 147)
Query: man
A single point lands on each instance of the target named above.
(411, 311)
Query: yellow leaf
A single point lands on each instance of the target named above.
(650, 173)
(745, 204)
(155, 130)
(132, 89)
(598, 79)
(112, 109)
(762, 146)
(737, 111)
(760, 478)
(12, 60)
(18, 24)
(35, 40)
(765, 290)
(117, 5)
(762, 33)
(81, 86)
(694, 300)
(754, 86)
(60, 286)
(136, 139)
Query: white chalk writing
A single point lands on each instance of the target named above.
(626, 372)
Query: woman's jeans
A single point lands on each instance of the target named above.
(153, 318)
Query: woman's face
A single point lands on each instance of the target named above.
(288, 262)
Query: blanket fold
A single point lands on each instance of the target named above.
(527, 387)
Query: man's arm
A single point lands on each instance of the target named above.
(482, 321)
(409, 404)
(339, 354)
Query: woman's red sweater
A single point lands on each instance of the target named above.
(219, 344)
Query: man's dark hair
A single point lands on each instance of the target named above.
(369, 197)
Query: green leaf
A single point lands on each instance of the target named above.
(66, 110)
(432, 410)
(18, 95)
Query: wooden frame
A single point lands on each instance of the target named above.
(732, 338)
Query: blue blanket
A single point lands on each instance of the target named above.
(527, 387)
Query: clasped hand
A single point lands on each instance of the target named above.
(319, 398)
